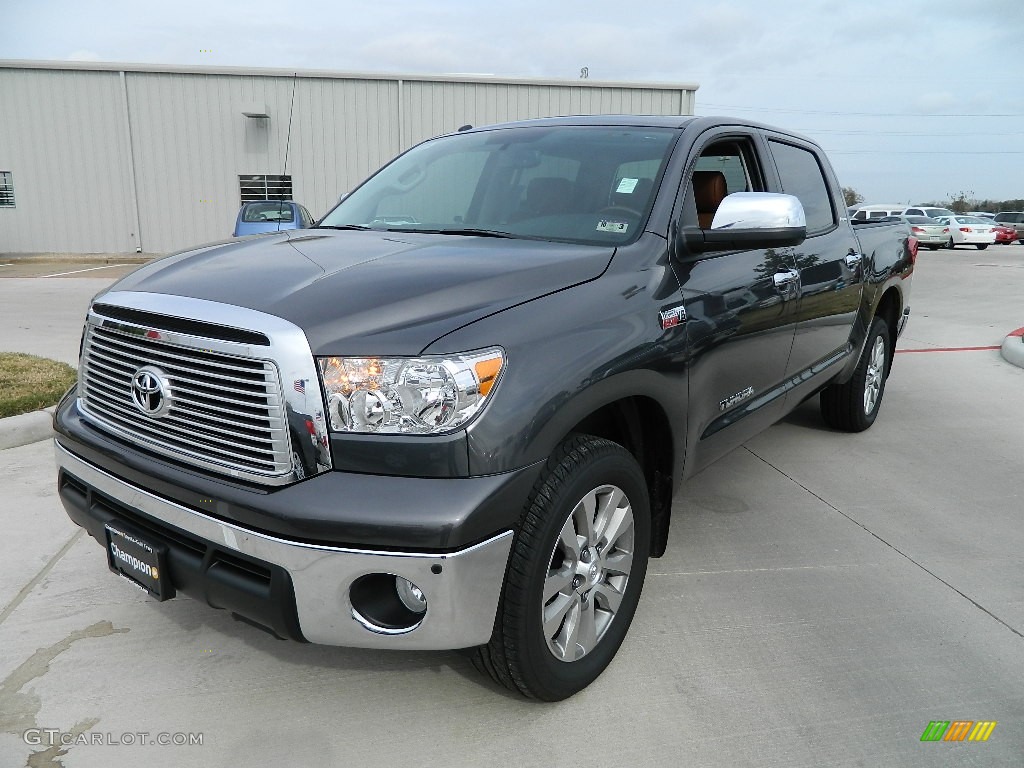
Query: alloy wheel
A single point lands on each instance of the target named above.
(587, 573)
(875, 375)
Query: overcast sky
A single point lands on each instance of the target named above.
(914, 100)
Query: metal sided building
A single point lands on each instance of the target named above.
(114, 158)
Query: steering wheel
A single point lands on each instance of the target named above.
(620, 209)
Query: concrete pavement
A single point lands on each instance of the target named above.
(42, 317)
(824, 597)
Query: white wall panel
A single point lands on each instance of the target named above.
(436, 107)
(63, 138)
(66, 138)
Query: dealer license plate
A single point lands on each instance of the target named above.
(139, 560)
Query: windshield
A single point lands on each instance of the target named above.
(577, 184)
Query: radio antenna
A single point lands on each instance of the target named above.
(287, 146)
(288, 139)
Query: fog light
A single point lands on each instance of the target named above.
(410, 595)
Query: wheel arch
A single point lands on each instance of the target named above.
(640, 425)
(890, 309)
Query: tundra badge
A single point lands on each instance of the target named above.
(730, 401)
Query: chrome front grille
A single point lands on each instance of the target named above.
(227, 410)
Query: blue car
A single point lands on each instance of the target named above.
(260, 216)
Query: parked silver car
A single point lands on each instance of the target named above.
(929, 232)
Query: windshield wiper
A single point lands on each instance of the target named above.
(469, 232)
(465, 232)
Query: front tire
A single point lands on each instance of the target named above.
(950, 244)
(575, 572)
(853, 406)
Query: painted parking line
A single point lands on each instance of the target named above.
(90, 269)
(948, 349)
(6, 265)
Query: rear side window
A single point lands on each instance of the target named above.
(802, 177)
(270, 211)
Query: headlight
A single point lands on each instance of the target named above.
(408, 395)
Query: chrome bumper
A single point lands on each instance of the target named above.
(461, 588)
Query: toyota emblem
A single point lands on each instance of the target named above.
(151, 392)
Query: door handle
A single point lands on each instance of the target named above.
(785, 280)
(852, 259)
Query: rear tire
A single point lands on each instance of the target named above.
(575, 572)
(933, 247)
(853, 406)
(981, 246)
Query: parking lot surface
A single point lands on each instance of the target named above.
(824, 598)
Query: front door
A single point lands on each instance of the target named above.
(740, 310)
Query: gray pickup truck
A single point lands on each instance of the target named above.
(454, 413)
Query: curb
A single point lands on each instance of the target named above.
(26, 428)
(1013, 348)
(80, 258)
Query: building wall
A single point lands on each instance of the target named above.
(192, 142)
(109, 158)
(65, 141)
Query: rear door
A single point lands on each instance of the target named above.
(830, 266)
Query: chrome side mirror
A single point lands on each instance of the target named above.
(759, 210)
(746, 221)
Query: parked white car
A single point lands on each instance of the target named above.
(969, 230)
(871, 212)
(924, 210)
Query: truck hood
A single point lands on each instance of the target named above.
(372, 293)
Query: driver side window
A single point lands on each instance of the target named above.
(722, 168)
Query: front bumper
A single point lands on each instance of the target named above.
(296, 589)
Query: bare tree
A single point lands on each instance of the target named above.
(961, 201)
